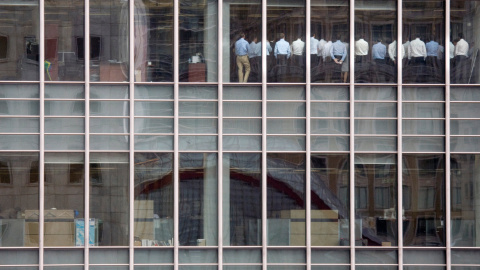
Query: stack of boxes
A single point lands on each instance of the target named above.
(143, 214)
(59, 228)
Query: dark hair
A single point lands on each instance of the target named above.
(460, 36)
(281, 35)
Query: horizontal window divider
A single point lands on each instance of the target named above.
(317, 248)
(110, 134)
(200, 84)
(379, 152)
(20, 99)
(108, 151)
(375, 135)
(19, 82)
(281, 117)
(17, 265)
(285, 101)
(152, 83)
(197, 100)
(375, 101)
(64, 116)
(19, 133)
(328, 152)
(242, 117)
(109, 83)
(108, 99)
(429, 264)
(421, 135)
(109, 264)
(313, 101)
(375, 118)
(240, 151)
(65, 151)
(239, 264)
(465, 101)
(57, 264)
(154, 100)
(328, 118)
(19, 116)
(330, 84)
(423, 101)
(423, 118)
(64, 82)
(59, 133)
(109, 116)
(423, 152)
(469, 119)
(153, 134)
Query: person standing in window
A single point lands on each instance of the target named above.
(417, 52)
(241, 51)
(432, 60)
(338, 54)
(313, 51)
(379, 51)
(361, 61)
(298, 52)
(461, 63)
(253, 51)
(282, 53)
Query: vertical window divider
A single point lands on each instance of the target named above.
(220, 133)
(352, 139)
(399, 136)
(264, 135)
(176, 161)
(86, 220)
(308, 196)
(448, 242)
(131, 47)
(41, 166)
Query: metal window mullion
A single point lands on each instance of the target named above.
(220, 134)
(41, 166)
(264, 135)
(176, 157)
(448, 239)
(400, 134)
(131, 47)
(308, 206)
(87, 135)
(352, 138)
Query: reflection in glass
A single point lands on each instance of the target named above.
(19, 177)
(153, 41)
(64, 28)
(240, 17)
(376, 200)
(375, 41)
(286, 199)
(423, 41)
(109, 203)
(109, 57)
(286, 36)
(464, 200)
(423, 201)
(19, 41)
(198, 41)
(153, 205)
(242, 194)
(329, 22)
(64, 203)
(198, 199)
(330, 198)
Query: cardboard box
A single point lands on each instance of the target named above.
(143, 204)
(143, 213)
(321, 228)
(325, 240)
(50, 214)
(324, 214)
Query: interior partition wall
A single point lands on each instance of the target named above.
(127, 141)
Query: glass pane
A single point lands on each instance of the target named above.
(20, 107)
(153, 125)
(465, 256)
(109, 108)
(375, 126)
(241, 92)
(285, 93)
(329, 23)
(19, 177)
(329, 92)
(153, 92)
(381, 110)
(63, 125)
(465, 127)
(148, 108)
(424, 257)
(20, 41)
(376, 257)
(109, 179)
(242, 256)
(286, 126)
(376, 93)
(65, 91)
(423, 220)
(376, 199)
(189, 143)
(198, 41)
(109, 92)
(327, 126)
(423, 110)
(242, 45)
(108, 41)
(19, 142)
(108, 256)
(109, 142)
(465, 144)
(242, 194)
(63, 256)
(65, 108)
(330, 256)
(424, 127)
(286, 109)
(197, 256)
(286, 143)
(371, 143)
(153, 205)
(242, 143)
(64, 200)
(424, 93)
(196, 125)
(330, 198)
(330, 109)
(64, 24)
(197, 108)
(15, 257)
(286, 35)
(19, 91)
(153, 256)
(153, 41)
(20, 125)
(286, 256)
(423, 144)
(198, 92)
(153, 142)
(236, 126)
(329, 143)
(464, 110)
(423, 41)
(286, 267)
(376, 25)
(464, 94)
(109, 125)
(198, 199)
(242, 109)
(464, 180)
(463, 53)
(286, 199)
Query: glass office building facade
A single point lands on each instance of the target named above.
(127, 141)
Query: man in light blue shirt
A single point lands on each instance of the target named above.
(255, 57)
(432, 62)
(379, 51)
(241, 50)
(282, 50)
(338, 54)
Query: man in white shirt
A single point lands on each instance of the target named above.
(328, 63)
(461, 63)
(254, 51)
(298, 59)
(313, 51)
(417, 52)
(362, 65)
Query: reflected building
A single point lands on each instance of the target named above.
(127, 141)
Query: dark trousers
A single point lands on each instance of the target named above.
(362, 67)
(280, 69)
(433, 69)
(417, 69)
(336, 69)
(461, 69)
(379, 69)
